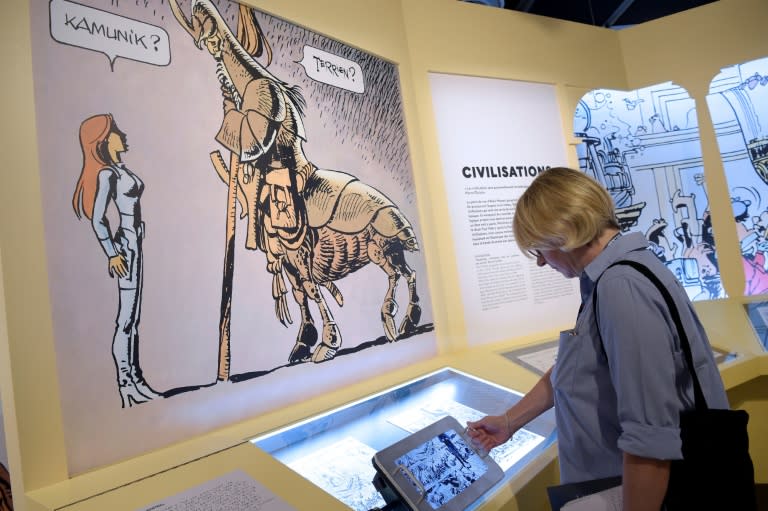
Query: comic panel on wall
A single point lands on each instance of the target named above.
(644, 147)
(6, 495)
(738, 104)
(230, 217)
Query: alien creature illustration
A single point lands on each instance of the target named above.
(315, 226)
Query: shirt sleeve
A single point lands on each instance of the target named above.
(639, 340)
(105, 186)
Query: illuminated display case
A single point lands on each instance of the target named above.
(334, 450)
(758, 317)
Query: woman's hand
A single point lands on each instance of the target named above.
(493, 430)
(489, 432)
(117, 265)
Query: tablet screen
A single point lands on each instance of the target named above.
(436, 468)
(444, 467)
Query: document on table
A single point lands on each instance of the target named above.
(542, 360)
(606, 500)
(539, 358)
(344, 470)
(235, 491)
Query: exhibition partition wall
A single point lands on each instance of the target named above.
(258, 219)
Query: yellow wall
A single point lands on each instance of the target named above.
(32, 357)
(454, 37)
(421, 36)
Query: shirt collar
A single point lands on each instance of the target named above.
(613, 252)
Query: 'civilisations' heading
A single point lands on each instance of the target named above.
(503, 171)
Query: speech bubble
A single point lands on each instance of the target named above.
(331, 69)
(114, 36)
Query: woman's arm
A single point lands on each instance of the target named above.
(644, 483)
(494, 430)
(105, 188)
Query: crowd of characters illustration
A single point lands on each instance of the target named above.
(315, 225)
(751, 231)
(690, 251)
(615, 127)
(740, 94)
(625, 133)
(687, 246)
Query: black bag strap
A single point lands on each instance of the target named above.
(701, 403)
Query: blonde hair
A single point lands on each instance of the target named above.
(563, 209)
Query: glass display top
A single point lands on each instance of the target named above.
(334, 450)
(758, 317)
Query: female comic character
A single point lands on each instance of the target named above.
(105, 179)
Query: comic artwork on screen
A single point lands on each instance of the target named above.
(643, 146)
(230, 217)
(738, 105)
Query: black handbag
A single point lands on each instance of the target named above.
(716, 471)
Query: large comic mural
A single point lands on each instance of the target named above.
(6, 495)
(738, 104)
(643, 146)
(230, 217)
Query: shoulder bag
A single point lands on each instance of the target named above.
(716, 471)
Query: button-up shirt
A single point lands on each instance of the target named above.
(623, 390)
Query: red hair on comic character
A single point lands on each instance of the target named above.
(94, 132)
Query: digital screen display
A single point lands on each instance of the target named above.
(444, 466)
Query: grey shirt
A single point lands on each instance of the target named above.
(627, 398)
(124, 188)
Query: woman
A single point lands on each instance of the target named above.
(620, 380)
(104, 180)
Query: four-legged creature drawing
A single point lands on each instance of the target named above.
(315, 226)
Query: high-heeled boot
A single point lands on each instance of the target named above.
(129, 392)
(141, 384)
